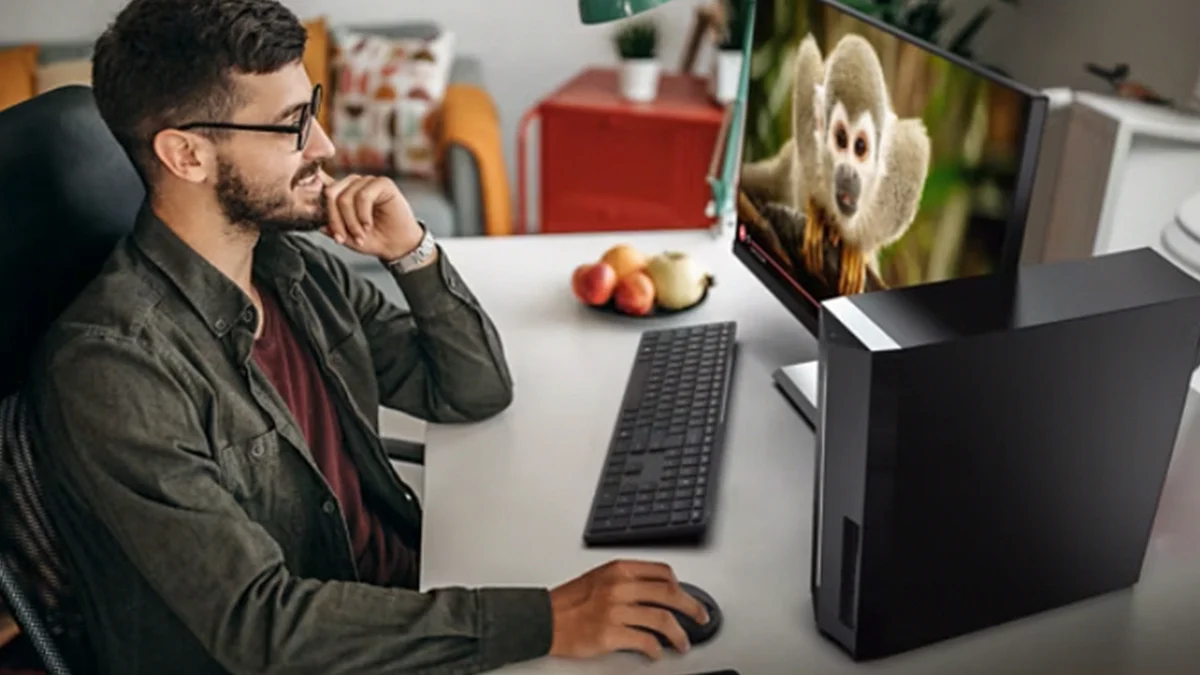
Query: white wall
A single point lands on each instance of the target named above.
(1046, 43)
(518, 70)
(1043, 43)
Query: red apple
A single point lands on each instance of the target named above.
(634, 294)
(593, 283)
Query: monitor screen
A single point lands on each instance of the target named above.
(871, 161)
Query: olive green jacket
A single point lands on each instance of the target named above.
(202, 537)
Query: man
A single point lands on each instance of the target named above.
(209, 403)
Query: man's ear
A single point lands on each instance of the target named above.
(185, 155)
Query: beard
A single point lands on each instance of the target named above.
(266, 209)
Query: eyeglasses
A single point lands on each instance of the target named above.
(301, 128)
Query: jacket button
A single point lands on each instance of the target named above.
(220, 324)
(248, 316)
(329, 507)
(257, 450)
(295, 291)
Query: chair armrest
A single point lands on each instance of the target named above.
(400, 450)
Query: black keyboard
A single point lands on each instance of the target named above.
(664, 458)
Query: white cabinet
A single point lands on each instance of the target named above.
(1114, 173)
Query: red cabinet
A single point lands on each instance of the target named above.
(607, 164)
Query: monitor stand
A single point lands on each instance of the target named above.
(799, 383)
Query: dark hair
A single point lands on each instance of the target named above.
(163, 63)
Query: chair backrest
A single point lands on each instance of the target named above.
(68, 192)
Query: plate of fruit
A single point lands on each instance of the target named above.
(627, 281)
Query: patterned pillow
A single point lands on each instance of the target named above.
(388, 92)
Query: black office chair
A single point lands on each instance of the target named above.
(68, 192)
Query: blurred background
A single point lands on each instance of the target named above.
(976, 128)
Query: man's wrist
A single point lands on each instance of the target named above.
(415, 255)
(406, 247)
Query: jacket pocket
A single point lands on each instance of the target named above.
(250, 467)
(269, 481)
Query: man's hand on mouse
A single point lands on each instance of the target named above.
(368, 214)
(596, 613)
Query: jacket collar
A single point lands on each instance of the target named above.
(218, 300)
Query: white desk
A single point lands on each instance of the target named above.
(506, 499)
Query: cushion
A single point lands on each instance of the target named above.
(61, 73)
(317, 62)
(388, 92)
(18, 74)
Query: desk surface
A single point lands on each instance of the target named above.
(506, 499)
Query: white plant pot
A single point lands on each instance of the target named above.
(639, 79)
(726, 75)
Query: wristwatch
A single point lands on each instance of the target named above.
(418, 256)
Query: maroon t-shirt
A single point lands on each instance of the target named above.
(381, 556)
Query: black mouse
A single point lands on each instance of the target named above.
(697, 633)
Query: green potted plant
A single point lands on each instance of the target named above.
(637, 45)
(926, 19)
(728, 68)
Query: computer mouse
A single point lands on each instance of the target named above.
(697, 633)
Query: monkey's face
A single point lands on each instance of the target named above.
(851, 158)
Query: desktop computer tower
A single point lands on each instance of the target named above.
(993, 447)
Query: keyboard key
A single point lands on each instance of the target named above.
(650, 520)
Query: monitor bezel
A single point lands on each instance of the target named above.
(793, 297)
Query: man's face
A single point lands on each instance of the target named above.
(262, 181)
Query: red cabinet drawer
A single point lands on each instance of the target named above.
(609, 165)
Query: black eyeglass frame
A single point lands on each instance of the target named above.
(302, 128)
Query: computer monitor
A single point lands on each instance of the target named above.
(872, 160)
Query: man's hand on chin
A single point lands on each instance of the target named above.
(369, 215)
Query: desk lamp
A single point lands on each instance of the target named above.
(603, 11)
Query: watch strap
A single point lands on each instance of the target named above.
(418, 256)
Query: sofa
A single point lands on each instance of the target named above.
(468, 197)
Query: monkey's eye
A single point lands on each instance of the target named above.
(840, 137)
(860, 147)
